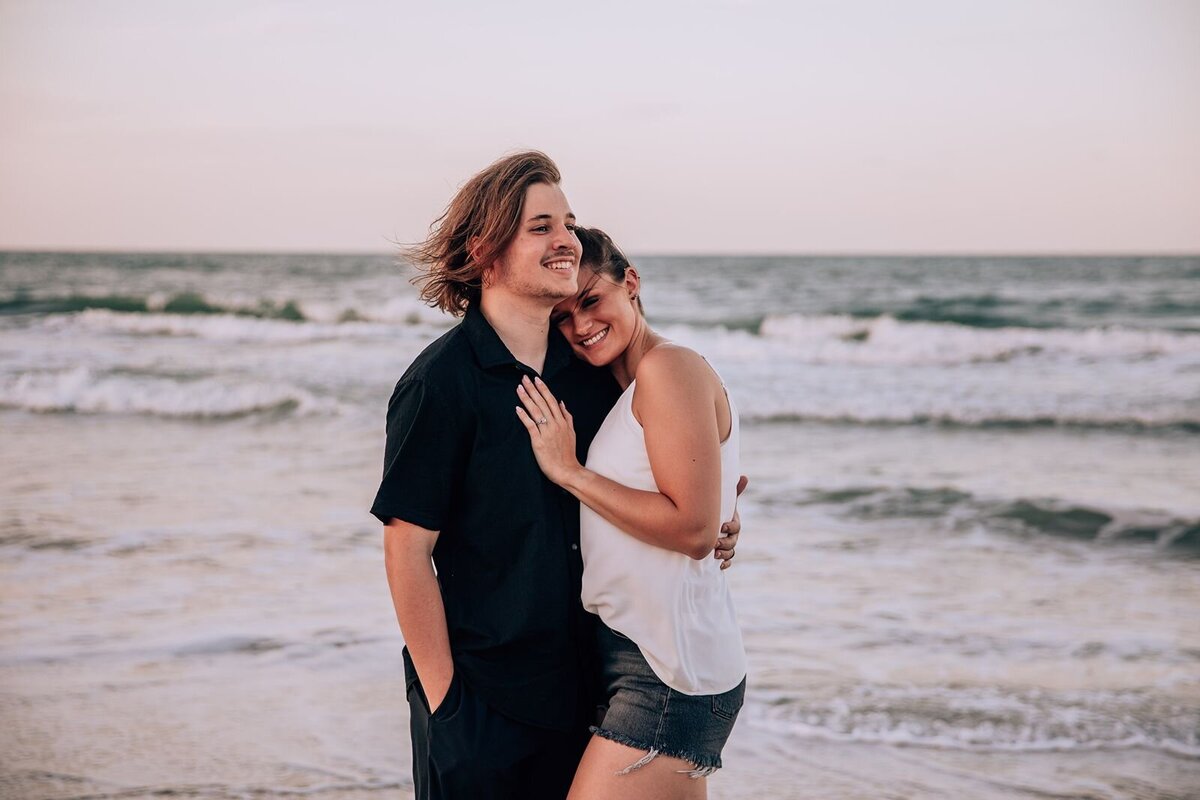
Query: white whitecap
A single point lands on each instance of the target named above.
(80, 390)
(885, 340)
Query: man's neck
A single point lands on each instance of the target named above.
(522, 323)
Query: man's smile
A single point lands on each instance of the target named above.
(560, 263)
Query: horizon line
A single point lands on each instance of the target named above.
(638, 254)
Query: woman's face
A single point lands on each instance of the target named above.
(599, 321)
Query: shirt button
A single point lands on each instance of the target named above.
(574, 547)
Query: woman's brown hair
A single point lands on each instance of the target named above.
(602, 256)
(475, 228)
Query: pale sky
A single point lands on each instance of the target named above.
(925, 126)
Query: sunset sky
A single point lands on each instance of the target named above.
(681, 127)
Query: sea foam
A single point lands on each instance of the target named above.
(987, 718)
(226, 328)
(80, 390)
(886, 341)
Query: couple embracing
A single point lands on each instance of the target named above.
(566, 470)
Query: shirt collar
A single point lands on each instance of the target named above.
(491, 352)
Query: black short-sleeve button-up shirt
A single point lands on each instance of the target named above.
(459, 461)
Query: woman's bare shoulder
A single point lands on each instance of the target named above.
(674, 366)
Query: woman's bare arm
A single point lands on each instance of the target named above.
(675, 403)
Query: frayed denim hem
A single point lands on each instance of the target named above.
(702, 766)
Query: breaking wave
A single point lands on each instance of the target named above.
(180, 303)
(218, 327)
(1167, 422)
(989, 719)
(1019, 516)
(404, 309)
(82, 391)
(886, 340)
(1002, 311)
(852, 339)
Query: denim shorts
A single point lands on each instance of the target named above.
(646, 714)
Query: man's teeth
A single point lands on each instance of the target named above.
(560, 264)
(591, 340)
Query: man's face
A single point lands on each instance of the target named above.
(542, 260)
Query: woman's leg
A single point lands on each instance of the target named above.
(607, 770)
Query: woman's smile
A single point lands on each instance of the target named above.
(595, 338)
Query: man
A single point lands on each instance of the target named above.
(498, 651)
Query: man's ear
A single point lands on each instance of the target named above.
(487, 269)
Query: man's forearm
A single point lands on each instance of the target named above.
(421, 614)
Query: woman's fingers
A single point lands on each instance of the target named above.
(541, 405)
(528, 422)
(533, 404)
(547, 397)
(527, 401)
(539, 410)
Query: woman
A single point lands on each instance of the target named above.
(661, 474)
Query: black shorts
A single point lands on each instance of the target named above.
(645, 713)
(466, 749)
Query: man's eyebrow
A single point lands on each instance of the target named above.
(570, 215)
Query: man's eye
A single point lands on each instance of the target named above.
(540, 228)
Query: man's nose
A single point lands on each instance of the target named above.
(564, 239)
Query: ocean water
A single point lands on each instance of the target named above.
(970, 568)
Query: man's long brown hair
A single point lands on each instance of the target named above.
(476, 227)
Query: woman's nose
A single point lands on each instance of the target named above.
(577, 326)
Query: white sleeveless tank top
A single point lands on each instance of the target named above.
(677, 609)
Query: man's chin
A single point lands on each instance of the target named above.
(560, 293)
(567, 289)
